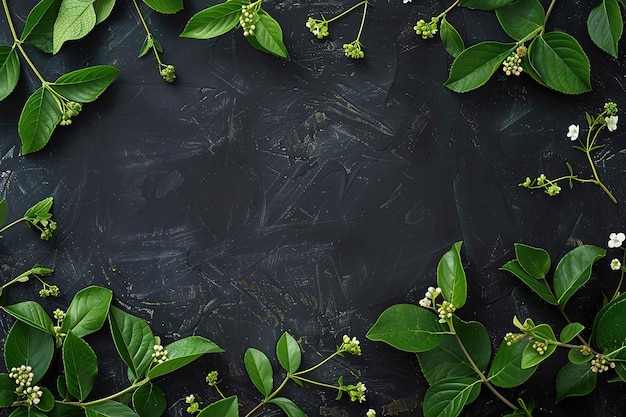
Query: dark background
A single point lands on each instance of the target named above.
(255, 196)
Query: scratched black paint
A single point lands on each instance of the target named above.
(255, 196)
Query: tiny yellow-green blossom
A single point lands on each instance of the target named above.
(426, 30)
(616, 265)
(371, 412)
(350, 345)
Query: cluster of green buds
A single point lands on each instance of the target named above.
(353, 49)
(356, 392)
(445, 311)
(23, 377)
(540, 347)
(70, 109)
(159, 355)
(211, 378)
(194, 406)
(549, 187)
(351, 346)
(49, 291)
(168, 72)
(512, 338)
(601, 364)
(59, 316)
(319, 28)
(248, 18)
(512, 65)
(426, 29)
(47, 227)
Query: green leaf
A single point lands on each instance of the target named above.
(87, 311)
(75, 20)
(521, 18)
(182, 352)
(46, 402)
(86, 84)
(450, 38)
(108, 409)
(149, 400)
(451, 276)
(448, 360)
(26, 345)
(570, 331)
(259, 370)
(605, 26)
(214, 21)
(9, 70)
(530, 356)
(446, 398)
(227, 407)
(408, 327)
(288, 353)
(575, 380)
(26, 412)
(80, 365)
(609, 327)
(484, 4)
(33, 314)
(39, 26)
(506, 370)
(145, 46)
(133, 340)
(560, 62)
(39, 118)
(288, 406)
(103, 9)
(539, 286)
(4, 212)
(535, 261)
(269, 35)
(65, 410)
(165, 6)
(576, 356)
(574, 270)
(40, 210)
(7, 391)
(475, 65)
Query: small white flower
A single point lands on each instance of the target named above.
(616, 265)
(405, 2)
(425, 302)
(573, 132)
(371, 412)
(616, 240)
(190, 399)
(308, 24)
(611, 123)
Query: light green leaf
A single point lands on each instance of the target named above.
(288, 406)
(539, 286)
(446, 398)
(475, 65)
(226, 407)
(214, 21)
(521, 17)
(451, 276)
(506, 370)
(535, 261)
(7, 391)
(530, 356)
(575, 380)
(145, 46)
(408, 327)
(560, 62)
(39, 26)
(259, 370)
(33, 314)
(109, 409)
(80, 365)
(450, 38)
(40, 210)
(165, 6)
(9, 70)
(182, 352)
(605, 26)
(288, 353)
(103, 9)
(4, 212)
(39, 118)
(574, 270)
(269, 35)
(149, 400)
(87, 311)
(26, 345)
(76, 18)
(86, 84)
(484, 4)
(570, 331)
(577, 357)
(133, 340)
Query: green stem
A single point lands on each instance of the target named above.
(599, 183)
(265, 400)
(358, 36)
(550, 8)
(112, 396)
(321, 384)
(17, 278)
(148, 33)
(13, 223)
(452, 6)
(316, 366)
(345, 12)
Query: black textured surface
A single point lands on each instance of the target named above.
(255, 196)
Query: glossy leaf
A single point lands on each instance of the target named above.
(451, 276)
(39, 118)
(80, 365)
(408, 327)
(4, 212)
(26, 345)
(506, 370)
(87, 311)
(227, 407)
(182, 352)
(570, 331)
(39, 26)
(133, 340)
(450, 38)
(446, 398)
(530, 356)
(214, 21)
(535, 261)
(269, 36)
(9, 70)
(46, 402)
(7, 390)
(475, 65)
(40, 210)
(576, 356)
(86, 84)
(33, 314)
(109, 409)
(521, 17)
(75, 20)
(26, 412)
(149, 400)
(288, 406)
(165, 6)
(560, 62)
(605, 26)
(610, 326)
(484, 4)
(288, 353)
(65, 410)
(145, 47)
(103, 9)
(539, 286)
(575, 380)
(259, 370)
(574, 270)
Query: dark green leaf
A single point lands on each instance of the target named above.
(46, 402)
(76, 18)
(103, 9)
(226, 407)
(259, 370)
(575, 380)
(86, 84)
(475, 65)
(38, 29)
(484, 4)
(62, 387)
(133, 340)
(530, 355)
(183, 352)
(535, 261)
(288, 353)
(446, 398)
(450, 38)
(145, 47)
(80, 365)
(269, 36)
(66, 410)
(560, 62)
(605, 26)
(26, 412)
(4, 212)
(87, 311)
(32, 314)
(7, 391)
(288, 406)
(157, 46)
(521, 18)
(39, 118)
(451, 276)
(610, 326)
(506, 370)
(214, 21)
(574, 270)
(26, 345)
(539, 286)
(109, 409)
(165, 6)
(149, 400)
(9, 70)
(408, 327)
(528, 69)
(570, 331)
(576, 356)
